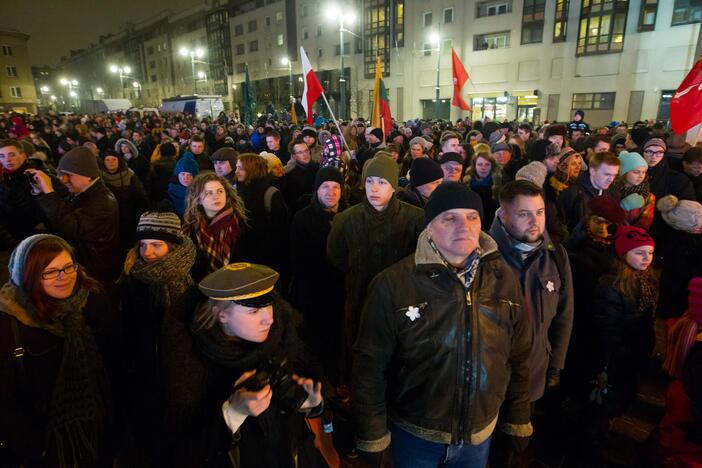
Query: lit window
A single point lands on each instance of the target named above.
(498, 40)
(647, 17)
(280, 40)
(602, 24)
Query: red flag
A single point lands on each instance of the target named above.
(313, 89)
(460, 76)
(686, 105)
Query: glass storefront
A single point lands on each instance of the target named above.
(494, 108)
(525, 107)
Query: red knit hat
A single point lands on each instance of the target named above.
(608, 208)
(631, 237)
(694, 300)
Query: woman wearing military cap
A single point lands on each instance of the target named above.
(260, 381)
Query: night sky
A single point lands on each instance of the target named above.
(56, 27)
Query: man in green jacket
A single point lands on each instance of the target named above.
(371, 236)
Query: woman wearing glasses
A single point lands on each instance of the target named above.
(52, 398)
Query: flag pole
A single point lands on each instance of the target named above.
(341, 134)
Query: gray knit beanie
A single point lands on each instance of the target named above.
(534, 172)
(80, 161)
(18, 258)
(163, 226)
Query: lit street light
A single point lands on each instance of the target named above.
(287, 63)
(124, 72)
(435, 38)
(70, 84)
(198, 52)
(335, 13)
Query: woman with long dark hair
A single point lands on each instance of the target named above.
(54, 393)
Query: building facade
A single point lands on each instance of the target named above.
(17, 91)
(527, 59)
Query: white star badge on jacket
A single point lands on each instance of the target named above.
(412, 313)
(550, 286)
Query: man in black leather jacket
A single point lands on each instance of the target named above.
(442, 352)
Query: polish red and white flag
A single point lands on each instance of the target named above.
(313, 89)
(686, 106)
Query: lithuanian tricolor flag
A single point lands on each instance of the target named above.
(381, 118)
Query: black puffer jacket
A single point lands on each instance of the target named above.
(159, 176)
(19, 213)
(446, 374)
(90, 222)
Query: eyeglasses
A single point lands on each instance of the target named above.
(654, 153)
(67, 270)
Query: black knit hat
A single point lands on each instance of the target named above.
(450, 156)
(378, 133)
(449, 196)
(328, 174)
(423, 171)
(163, 226)
(224, 154)
(167, 149)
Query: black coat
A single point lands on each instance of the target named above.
(680, 260)
(626, 337)
(268, 439)
(20, 216)
(411, 195)
(550, 302)
(298, 182)
(90, 222)
(159, 176)
(25, 407)
(572, 203)
(132, 200)
(448, 372)
(264, 239)
(665, 181)
(318, 287)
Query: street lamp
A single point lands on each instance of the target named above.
(349, 17)
(123, 71)
(44, 89)
(198, 52)
(99, 90)
(287, 63)
(70, 84)
(435, 38)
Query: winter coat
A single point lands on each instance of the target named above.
(298, 182)
(549, 305)
(411, 196)
(680, 261)
(318, 287)
(588, 261)
(139, 163)
(488, 194)
(159, 177)
(90, 222)
(572, 203)
(20, 216)
(364, 241)
(132, 200)
(626, 337)
(25, 406)
(264, 238)
(446, 374)
(665, 181)
(269, 439)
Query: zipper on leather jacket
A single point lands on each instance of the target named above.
(462, 375)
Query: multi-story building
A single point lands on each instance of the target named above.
(16, 83)
(527, 59)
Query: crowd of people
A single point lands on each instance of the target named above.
(198, 292)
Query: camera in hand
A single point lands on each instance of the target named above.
(277, 373)
(32, 178)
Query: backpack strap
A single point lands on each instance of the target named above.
(268, 199)
(18, 353)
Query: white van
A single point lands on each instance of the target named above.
(200, 106)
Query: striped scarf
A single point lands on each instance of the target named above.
(215, 238)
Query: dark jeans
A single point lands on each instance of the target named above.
(409, 451)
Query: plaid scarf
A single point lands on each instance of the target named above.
(215, 238)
